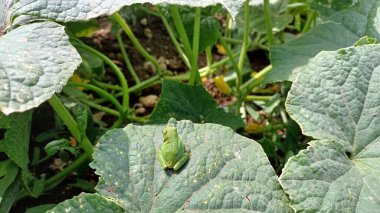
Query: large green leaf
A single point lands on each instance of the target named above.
(336, 99)
(192, 103)
(36, 61)
(226, 172)
(342, 29)
(70, 11)
(67, 10)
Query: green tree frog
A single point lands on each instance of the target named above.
(172, 154)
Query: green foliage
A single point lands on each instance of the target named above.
(222, 164)
(193, 103)
(340, 30)
(334, 99)
(342, 166)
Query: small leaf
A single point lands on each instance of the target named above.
(190, 102)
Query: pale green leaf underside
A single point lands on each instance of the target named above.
(226, 172)
(67, 10)
(36, 61)
(323, 179)
(342, 29)
(337, 99)
(5, 6)
(91, 203)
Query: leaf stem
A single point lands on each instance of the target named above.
(126, 58)
(123, 24)
(229, 52)
(194, 73)
(54, 180)
(84, 143)
(268, 23)
(208, 56)
(102, 108)
(309, 19)
(243, 54)
(114, 67)
(177, 45)
(66, 117)
(181, 30)
(257, 98)
(255, 81)
(100, 92)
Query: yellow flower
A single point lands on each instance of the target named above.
(253, 128)
(220, 49)
(77, 78)
(222, 85)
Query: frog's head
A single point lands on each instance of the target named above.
(169, 132)
(172, 122)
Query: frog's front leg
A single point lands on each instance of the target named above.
(161, 159)
(182, 161)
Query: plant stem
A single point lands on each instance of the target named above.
(138, 119)
(66, 117)
(106, 86)
(208, 56)
(257, 98)
(102, 108)
(143, 85)
(126, 58)
(243, 54)
(194, 73)
(268, 23)
(229, 27)
(100, 92)
(232, 40)
(52, 181)
(114, 67)
(181, 30)
(84, 143)
(255, 81)
(309, 20)
(123, 24)
(177, 45)
(207, 70)
(229, 53)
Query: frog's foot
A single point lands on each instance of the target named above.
(182, 161)
(161, 159)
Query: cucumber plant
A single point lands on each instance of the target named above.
(333, 98)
